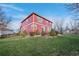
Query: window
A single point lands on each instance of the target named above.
(49, 29)
(43, 28)
(39, 19)
(35, 26)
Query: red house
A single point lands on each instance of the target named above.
(34, 23)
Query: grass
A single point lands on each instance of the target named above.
(40, 46)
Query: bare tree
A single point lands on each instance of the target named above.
(4, 21)
(73, 7)
(74, 24)
(74, 10)
(59, 25)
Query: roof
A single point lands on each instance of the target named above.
(36, 15)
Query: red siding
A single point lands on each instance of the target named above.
(35, 18)
(29, 28)
(39, 27)
(28, 23)
(45, 23)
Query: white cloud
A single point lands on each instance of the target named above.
(15, 24)
(66, 21)
(19, 16)
(12, 7)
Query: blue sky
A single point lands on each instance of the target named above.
(21, 10)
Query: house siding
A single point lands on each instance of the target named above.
(28, 24)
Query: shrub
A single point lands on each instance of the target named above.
(43, 33)
(3, 36)
(23, 33)
(56, 32)
(37, 32)
(52, 34)
(32, 33)
(18, 33)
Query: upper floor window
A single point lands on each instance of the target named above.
(39, 19)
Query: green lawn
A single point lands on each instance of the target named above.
(36, 46)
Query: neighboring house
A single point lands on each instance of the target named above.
(35, 23)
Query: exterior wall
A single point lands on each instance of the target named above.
(44, 23)
(28, 25)
(39, 27)
(27, 28)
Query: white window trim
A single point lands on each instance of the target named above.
(34, 27)
(40, 20)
